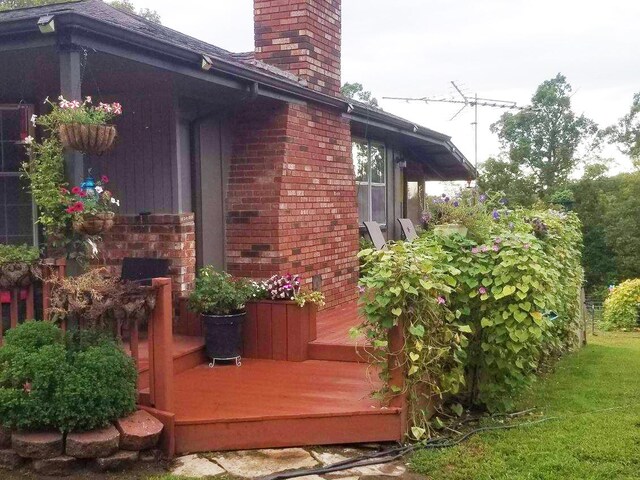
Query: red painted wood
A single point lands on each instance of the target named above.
(13, 309)
(313, 322)
(30, 302)
(161, 354)
(265, 347)
(298, 332)
(279, 332)
(134, 341)
(397, 365)
(250, 331)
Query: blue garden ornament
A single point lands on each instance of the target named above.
(89, 185)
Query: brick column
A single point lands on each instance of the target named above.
(170, 236)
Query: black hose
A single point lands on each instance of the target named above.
(393, 454)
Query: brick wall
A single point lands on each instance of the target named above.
(292, 197)
(170, 236)
(303, 37)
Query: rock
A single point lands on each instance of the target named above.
(10, 460)
(93, 444)
(151, 455)
(116, 462)
(139, 431)
(193, 466)
(5, 437)
(56, 467)
(38, 445)
(329, 458)
(258, 463)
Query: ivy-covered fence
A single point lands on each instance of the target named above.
(481, 315)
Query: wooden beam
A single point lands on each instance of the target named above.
(71, 89)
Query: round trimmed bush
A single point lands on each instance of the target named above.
(69, 383)
(622, 307)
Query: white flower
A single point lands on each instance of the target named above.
(34, 117)
(115, 202)
(100, 190)
(28, 140)
(88, 100)
(46, 100)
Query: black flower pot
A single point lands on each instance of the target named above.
(223, 336)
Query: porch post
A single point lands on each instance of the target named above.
(71, 89)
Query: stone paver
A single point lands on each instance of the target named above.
(117, 462)
(56, 467)
(258, 463)
(139, 431)
(38, 445)
(93, 444)
(194, 466)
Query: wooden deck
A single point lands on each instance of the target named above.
(274, 403)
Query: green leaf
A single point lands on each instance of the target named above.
(417, 330)
(397, 311)
(418, 432)
(465, 329)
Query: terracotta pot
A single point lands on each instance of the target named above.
(94, 224)
(91, 139)
(450, 229)
(17, 275)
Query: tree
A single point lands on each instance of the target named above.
(498, 175)
(126, 5)
(543, 140)
(626, 133)
(357, 92)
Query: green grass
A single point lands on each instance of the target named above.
(582, 444)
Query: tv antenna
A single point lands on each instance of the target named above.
(465, 101)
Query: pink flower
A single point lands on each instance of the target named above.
(482, 291)
(117, 108)
(475, 250)
(498, 240)
(104, 179)
(361, 289)
(27, 387)
(64, 191)
(441, 301)
(484, 249)
(495, 248)
(76, 190)
(526, 246)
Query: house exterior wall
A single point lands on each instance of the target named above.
(292, 198)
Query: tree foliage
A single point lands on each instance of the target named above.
(622, 307)
(357, 92)
(127, 5)
(626, 133)
(543, 141)
(500, 175)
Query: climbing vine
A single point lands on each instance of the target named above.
(481, 316)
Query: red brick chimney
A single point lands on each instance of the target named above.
(302, 37)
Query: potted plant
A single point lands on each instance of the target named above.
(220, 300)
(18, 265)
(92, 206)
(84, 126)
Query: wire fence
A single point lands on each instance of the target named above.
(594, 309)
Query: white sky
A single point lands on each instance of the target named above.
(498, 48)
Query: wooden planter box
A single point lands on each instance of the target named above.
(279, 330)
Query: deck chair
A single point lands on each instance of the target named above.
(408, 230)
(375, 232)
(143, 270)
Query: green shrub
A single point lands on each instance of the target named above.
(218, 293)
(18, 253)
(622, 306)
(75, 383)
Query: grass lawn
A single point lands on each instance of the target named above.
(580, 444)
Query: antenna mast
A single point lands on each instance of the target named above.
(465, 101)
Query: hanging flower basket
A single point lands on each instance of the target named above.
(94, 224)
(88, 138)
(17, 274)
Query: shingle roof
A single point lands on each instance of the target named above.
(103, 12)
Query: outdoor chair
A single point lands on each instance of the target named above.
(408, 229)
(143, 270)
(375, 233)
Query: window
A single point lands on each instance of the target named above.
(369, 163)
(17, 223)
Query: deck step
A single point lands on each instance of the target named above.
(319, 350)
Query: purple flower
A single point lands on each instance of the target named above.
(456, 203)
(475, 250)
(482, 291)
(495, 248)
(483, 198)
(426, 217)
(444, 195)
(511, 225)
(447, 199)
(441, 301)
(496, 215)
(503, 201)
(361, 289)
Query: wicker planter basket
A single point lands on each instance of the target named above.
(91, 139)
(94, 224)
(17, 275)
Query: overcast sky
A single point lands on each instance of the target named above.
(497, 48)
